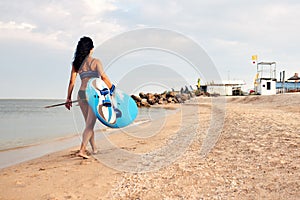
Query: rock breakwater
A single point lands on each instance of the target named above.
(148, 99)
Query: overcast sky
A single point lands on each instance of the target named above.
(38, 38)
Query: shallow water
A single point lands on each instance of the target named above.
(27, 128)
(27, 122)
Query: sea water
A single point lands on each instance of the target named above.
(26, 122)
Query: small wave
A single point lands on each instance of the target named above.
(143, 121)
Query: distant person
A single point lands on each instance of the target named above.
(186, 90)
(181, 91)
(87, 67)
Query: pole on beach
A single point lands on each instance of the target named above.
(283, 82)
(61, 104)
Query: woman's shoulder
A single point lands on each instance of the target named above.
(97, 65)
(96, 60)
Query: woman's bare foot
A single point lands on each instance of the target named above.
(94, 152)
(83, 155)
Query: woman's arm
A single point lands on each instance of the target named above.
(104, 77)
(70, 88)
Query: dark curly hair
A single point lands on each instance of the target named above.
(83, 49)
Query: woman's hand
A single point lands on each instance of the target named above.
(112, 89)
(68, 104)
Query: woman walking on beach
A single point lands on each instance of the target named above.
(87, 67)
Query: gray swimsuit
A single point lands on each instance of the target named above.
(87, 74)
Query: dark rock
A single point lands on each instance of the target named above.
(142, 95)
(175, 100)
(160, 101)
(136, 98)
(185, 97)
(158, 96)
(148, 99)
(179, 99)
(144, 103)
(151, 99)
(170, 94)
(164, 96)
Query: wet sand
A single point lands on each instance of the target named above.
(256, 157)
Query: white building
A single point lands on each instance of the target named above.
(226, 88)
(266, 86)
(265, 82)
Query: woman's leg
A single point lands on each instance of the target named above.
(92, 139)
(93, 143)
(84, 108)
(88, 133)
(89, 127)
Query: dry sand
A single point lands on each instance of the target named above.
(256, 157)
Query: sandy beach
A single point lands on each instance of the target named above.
(256, 156)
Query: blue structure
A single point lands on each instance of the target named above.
(289, 86)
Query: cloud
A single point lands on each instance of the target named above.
(229, 31)
(26, 32)
(39, 37)
(100, 7)
(56, 23)
(13, 25)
